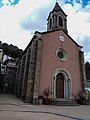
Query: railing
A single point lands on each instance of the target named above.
(75, 98)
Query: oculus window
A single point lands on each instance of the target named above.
(61, 54)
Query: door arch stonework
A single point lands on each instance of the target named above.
(62, 86)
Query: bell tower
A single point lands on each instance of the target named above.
(57, 19)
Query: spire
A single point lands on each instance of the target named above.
(57, 8)
(57, 19)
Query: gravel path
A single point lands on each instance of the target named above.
(12, 108)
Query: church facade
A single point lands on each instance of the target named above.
(51, 60)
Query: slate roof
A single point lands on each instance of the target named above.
(57, 8)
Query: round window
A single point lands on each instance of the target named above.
(61, 54)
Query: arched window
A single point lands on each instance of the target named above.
(50, 23)
(60, 21)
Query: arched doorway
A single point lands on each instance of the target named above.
(61, 84)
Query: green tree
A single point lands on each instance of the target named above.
(5, 48)
(11, 50)
(0, 42)
(87, 68)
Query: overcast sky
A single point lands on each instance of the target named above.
(19, 19)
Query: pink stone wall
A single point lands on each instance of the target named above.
(49, 61)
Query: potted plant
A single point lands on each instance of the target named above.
(47, 93)
(82, 97)
(40, 99)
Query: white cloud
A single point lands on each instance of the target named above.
(78, 20)
(79, 25)
(10, 18)
(5, 2)
(28, 11)
(87, 56)
(10, 30)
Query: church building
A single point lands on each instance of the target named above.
(51, 60)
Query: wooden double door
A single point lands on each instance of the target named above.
(60, 85)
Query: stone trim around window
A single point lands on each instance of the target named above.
(61, 54)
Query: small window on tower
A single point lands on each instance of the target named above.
(60, 21)
(50, 23)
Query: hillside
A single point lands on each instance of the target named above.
(11, 50)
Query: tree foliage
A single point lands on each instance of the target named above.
(87, 68)
(11, 50)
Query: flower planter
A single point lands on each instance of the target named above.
(40, 101)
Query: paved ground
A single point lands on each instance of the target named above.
(12, 108)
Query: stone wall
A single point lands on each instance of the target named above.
(82, 69)
(28, 72)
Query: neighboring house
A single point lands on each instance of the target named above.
(8, 74)
(1, 55)
(51, 60)
(88, 83)
(1, 59)
(3, 69)
(10, 77)
(87, 70)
